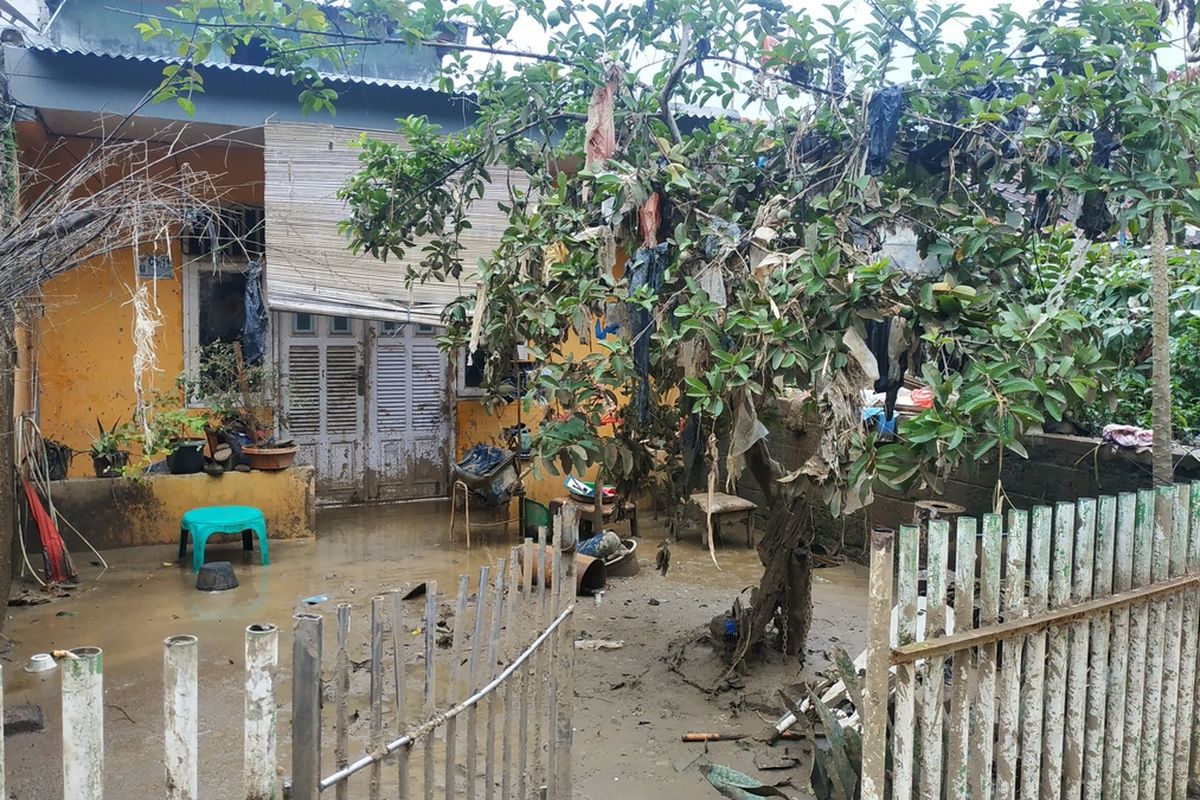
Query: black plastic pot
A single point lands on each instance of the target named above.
(109, 465)
(186, 456)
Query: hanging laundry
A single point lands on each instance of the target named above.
(883, 122)
(888, 342)
(601, 131)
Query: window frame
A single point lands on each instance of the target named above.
(191, 271)
(294, 316)
(460, 378)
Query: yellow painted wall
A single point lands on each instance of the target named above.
(83, 347)
(474, 425)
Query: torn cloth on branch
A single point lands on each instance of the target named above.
(646, 269)
(748, 430)
(601, 132)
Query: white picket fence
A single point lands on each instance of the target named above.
(511, 660)
(1067, 668)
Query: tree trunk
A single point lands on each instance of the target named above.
(785, 591)
(1160, 379)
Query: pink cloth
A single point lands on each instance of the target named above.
(601, 131)
(1128, 436)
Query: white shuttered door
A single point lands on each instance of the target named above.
(368, 405)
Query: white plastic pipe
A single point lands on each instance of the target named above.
(181, 712)
(83, 724)
(262, 661)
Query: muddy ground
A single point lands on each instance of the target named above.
(632, 704)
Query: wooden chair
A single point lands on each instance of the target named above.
(725, 508)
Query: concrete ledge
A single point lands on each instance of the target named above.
(119, 512)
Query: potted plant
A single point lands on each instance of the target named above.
(180, 433)
(238, 393)
(270, 454)
(109, 456)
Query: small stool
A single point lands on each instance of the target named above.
(726, 507)
(201, 523)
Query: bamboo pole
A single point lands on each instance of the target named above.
(1135, 685)
(1118, 665)
(83, 724)
(260, 737)
(477, 647)
(904, 728)
(875, 711)
(489, 751)
(1011, 650)
(430, 682)
(1176, 566)
(1097, 691)
(1191, 643)
(985, 689)
(306, 706)
(376, 696)
(400, 678)
(181, 714)
(1058, 651)
(1078, 635)
(565, 731)
(1164, 518)
(1033, 686)
(934, 683)
(551, 710)
(959, 746)
(341, 698)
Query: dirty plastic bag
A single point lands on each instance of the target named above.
(883, 122)
(254, 329)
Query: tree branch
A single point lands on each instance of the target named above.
(664, 97)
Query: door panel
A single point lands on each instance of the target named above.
(411, 447)
(323, 381)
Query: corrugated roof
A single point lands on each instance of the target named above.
(683, 109)
(332, 77)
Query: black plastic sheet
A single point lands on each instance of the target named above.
(883, 122)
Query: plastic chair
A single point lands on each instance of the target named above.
(201, 523)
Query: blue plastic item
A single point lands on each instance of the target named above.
(201, 523)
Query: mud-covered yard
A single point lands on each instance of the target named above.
(632, 704)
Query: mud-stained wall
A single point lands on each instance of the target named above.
(80, 341)
(115, 512)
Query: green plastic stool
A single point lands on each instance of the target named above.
(201, 523)
(536, 516)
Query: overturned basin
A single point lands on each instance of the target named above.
(590, 574)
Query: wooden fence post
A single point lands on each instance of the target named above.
(306, 707)
(875, 712)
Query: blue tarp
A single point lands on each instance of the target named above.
(254, 330)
